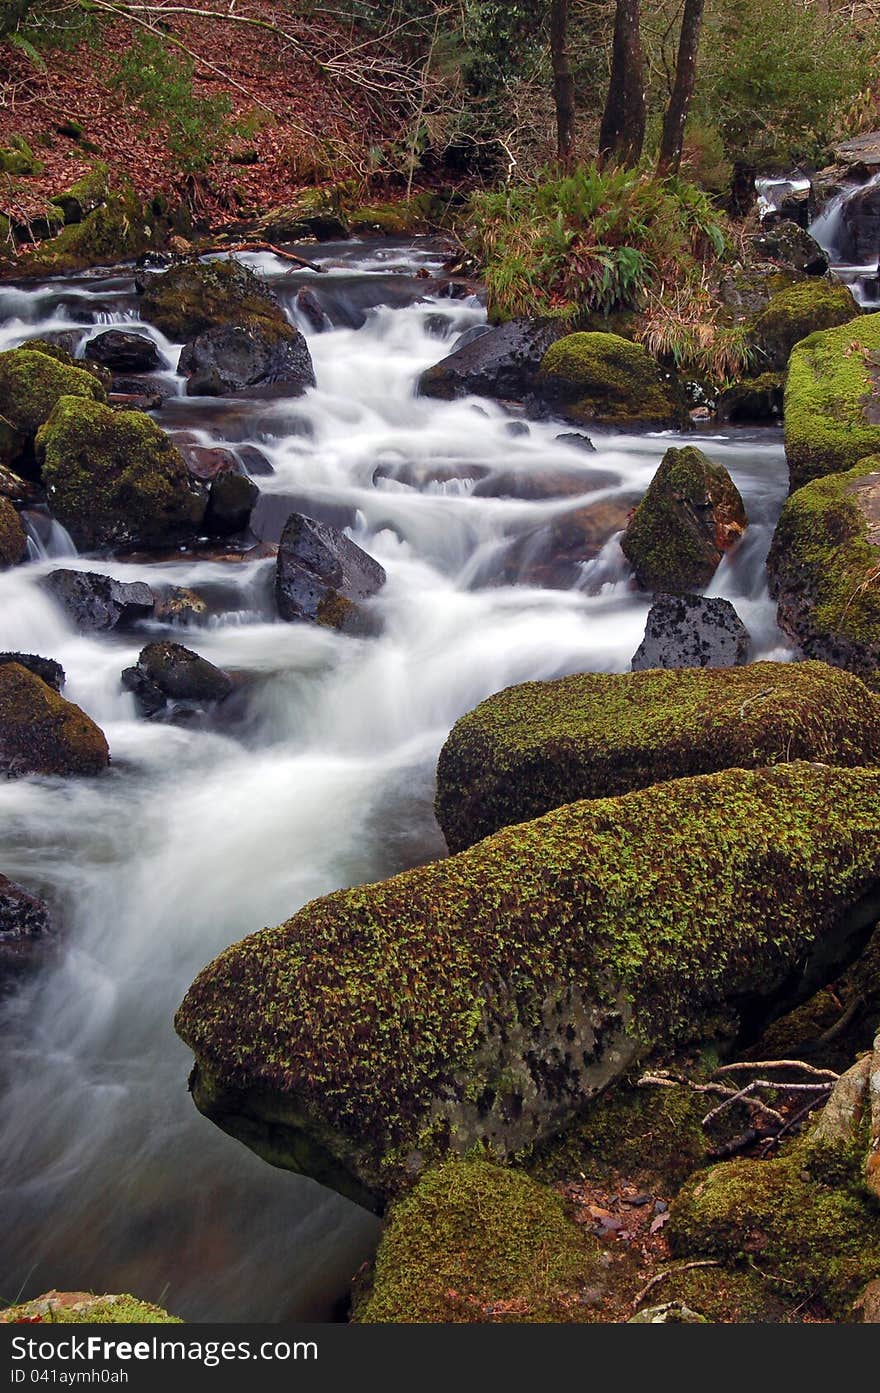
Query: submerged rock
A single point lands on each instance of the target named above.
(98, 603)
(46, 669)
(25, 927)
(692, 631)
(832, 400)
(167, 672)
(481, 1001)
(31, 383)
(124, 351)
(113, 478)
(13, 538)
(323, 576)
(691, 515)
(823, 569)
(600, 377)
(500, 363)
(543, 744)
(41, 733)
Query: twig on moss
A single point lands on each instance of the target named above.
(670, 1272)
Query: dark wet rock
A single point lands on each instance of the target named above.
(13, 538)
(501, 363)
(577, 440)
(757, 399)
(691, 515)
(312, 310)
(152, 389)
(97, 603)
(859, 238)
(124, 351)
(205, 462)
(692, 631)
(25, 928)
(41, 733)
(46, 669)
(247, 360)
(323, 576)
(167, 672)
(230, 503)
(17, 490)
(180, 605)
(788, 244)
(516, 428)
(467, 336)
(254, 461)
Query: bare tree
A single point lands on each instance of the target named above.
(563, 82)
(683, 89)
(623, 123)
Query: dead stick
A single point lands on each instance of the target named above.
(259, 247)
(778, 1064)
(670, 1272)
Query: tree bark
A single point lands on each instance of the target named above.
(683, 89)
(563, 82)
(623, 122)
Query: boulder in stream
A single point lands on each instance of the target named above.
(46, 669)
(859, 230)
(788, 244)
(793, 314)
(480, 1002)
(692, 631)
(230, 503)
(96, 603)
(41, 733)
(25, 928)
(13, 538)
(602, 378)
(690, 516)
(537, 746)
(323, 576)
(832, 400)
(122, 350)
(260, 359)
(500, 363)
(166, 673)
(197, 295)
(31, 383)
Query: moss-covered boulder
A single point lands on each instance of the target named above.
(114, 478)
(31, 383)
(41, 733)
(824, 569)
(196, 296)
(13, 538)
(805, 1220)
(483, 1000)
(754, 399)
(793, 314)
(475, 1243)
(832, 400)
(408, 215)
(603, 378)
(691, 515)
(540, 745)
(18, 159)
(117, 228)
(84, 1307)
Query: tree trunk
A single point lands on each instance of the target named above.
(563, 82)
(623, 122)
(683, 89)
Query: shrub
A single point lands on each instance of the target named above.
(161, 82)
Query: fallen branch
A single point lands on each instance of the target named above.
(670, 1272)
(745, 1093)
(779, 1064)
(255, 247)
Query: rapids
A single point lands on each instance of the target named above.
(199, 835)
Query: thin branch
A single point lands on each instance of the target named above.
(670, 1272)
(779, 1064)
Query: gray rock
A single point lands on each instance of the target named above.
(692, 631)
(25, 927)
(254, 361)
(96, 602)
(122, 351)
(166, 673)
(323, 576)
(501, 363)
(859, 238)
(789, 245)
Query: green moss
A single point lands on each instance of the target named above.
(755, 399)
(805, 1221)
(13, 538)
(19, 159)
(738, 1296)
(115, 477)
(31, 384)
(691, 514)
(529, 971)
(476, 1243)
(796, 312)
(74, 1308)
(41, 733)
(542, 744)
(85, 195)
(198, 295)
(824, 568)
(832, 400)
(604, 378)
(416, 214)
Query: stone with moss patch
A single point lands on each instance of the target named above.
(690, 516)
(41, 733)
(832, 400)
(824, 568)
(409, 215)
(13, 538)
(476, 1243)
(114, 478)
(31, 383)
(485, 999)
(754, 399)
(83, 1307)
(540, 745)
(595, 377)
(793, 314)
(18, 159)
(196, 296)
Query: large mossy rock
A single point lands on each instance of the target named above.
(601, 378)
(795, 313)
(500, 362)
(195, 296)
(41, 733)
(85, 1308)
(13, 538)
(824, 569)
(832, 400)
(31, 384)
(114, 478)
(483, 1000)
(690, 516)
(476, 1243)
(540, 745)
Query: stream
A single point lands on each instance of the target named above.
(321, 776)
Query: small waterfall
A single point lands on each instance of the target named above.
(829, 230)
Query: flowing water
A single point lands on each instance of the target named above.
(829, 230)
(320, 777)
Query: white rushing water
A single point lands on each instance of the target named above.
(829, 231)
(321, 777)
